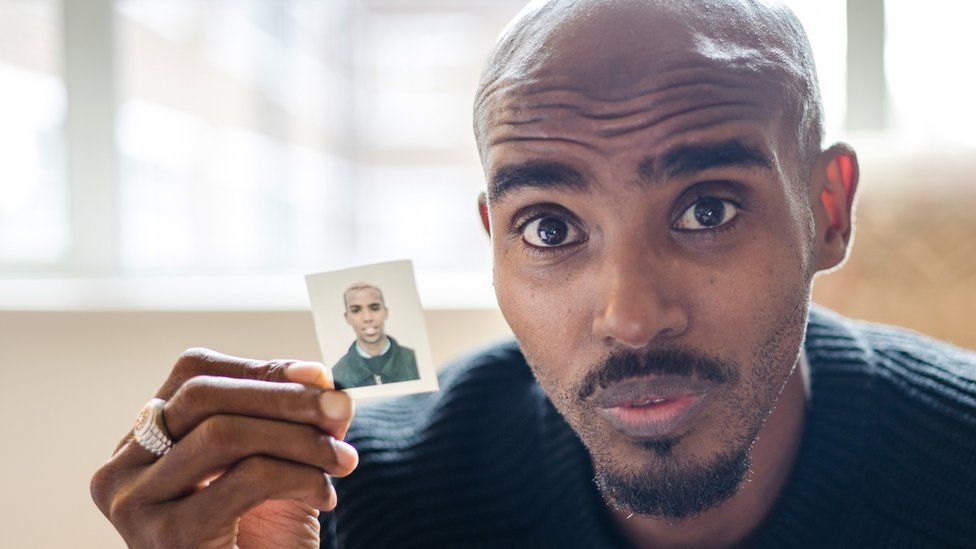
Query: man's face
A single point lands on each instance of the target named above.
(652, 254)
(366, 313)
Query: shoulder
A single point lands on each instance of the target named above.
(404, 350)
(920, 441)
(892, 351)
(343, 364)
(909, 363)
(343, 361)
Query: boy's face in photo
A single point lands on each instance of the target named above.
(366, 313)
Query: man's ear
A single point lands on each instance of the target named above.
(833, 185)
(483, 211)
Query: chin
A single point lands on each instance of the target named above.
(669, 482)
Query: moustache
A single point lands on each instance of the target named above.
(621, 365)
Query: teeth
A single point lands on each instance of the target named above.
(651, 401)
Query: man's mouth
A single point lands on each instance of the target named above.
(652, 407)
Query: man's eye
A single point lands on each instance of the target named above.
(549, 232)
(707, 213)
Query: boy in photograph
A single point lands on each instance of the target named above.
(374, 357)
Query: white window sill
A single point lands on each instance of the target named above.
(279, 292)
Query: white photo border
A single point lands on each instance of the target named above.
(323, 288)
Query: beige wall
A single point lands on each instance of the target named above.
(73, 382)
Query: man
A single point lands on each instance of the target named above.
(658, 202)
(374, 357)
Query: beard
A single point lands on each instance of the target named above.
(669, 486)
(675, 490)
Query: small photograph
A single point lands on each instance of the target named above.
(371, 330)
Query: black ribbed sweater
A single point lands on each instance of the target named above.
(888, 457)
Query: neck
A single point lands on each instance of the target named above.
(733, 521)
(374, 349)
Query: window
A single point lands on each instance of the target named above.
(241, 137)
(278, 136)
(927, 75)
(33, 197)
(230, 130)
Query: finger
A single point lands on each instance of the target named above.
(199, 361)
(205, 396)
(310, 373)
(294, 524)
(258, 479)
(221, 441)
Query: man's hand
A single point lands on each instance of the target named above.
(254, 441)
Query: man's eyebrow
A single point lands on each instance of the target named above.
(689, 159)
(539, 175)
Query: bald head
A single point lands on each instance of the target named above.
(613, 51)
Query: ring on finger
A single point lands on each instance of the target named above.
(150, 429)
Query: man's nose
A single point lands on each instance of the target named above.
(636, 304)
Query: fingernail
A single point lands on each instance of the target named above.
(334, 405)
(346, 456)
(312, 373)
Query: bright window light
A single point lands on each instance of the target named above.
(33, 198)
(928, 48)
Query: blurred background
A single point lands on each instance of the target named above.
(169, 169)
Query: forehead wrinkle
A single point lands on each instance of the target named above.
(588, 114)
(598, 135)
(524, 91)
(542, 136)
(691, 126)
(522, 109)
(690, 71)
(596, 109)
(651, 122)
(601, 141)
